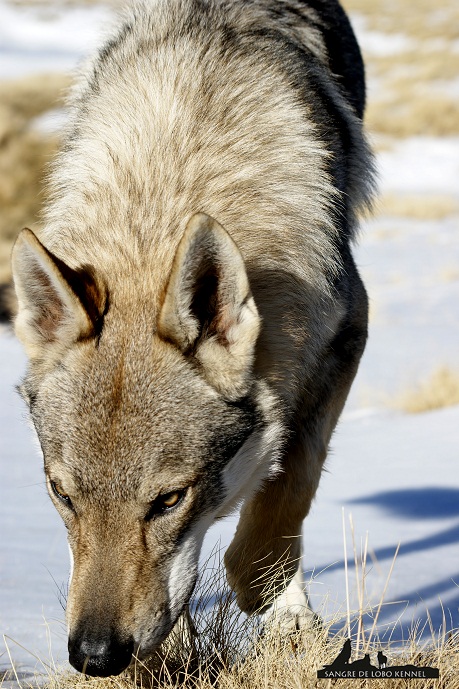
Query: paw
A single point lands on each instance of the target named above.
(291, 612)
(258, 575)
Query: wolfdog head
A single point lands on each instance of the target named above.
(152, 425)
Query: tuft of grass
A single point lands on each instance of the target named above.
(292, 665)
(220, 649)
(440, 390)
(27, 97)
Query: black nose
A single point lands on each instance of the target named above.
(100, 656)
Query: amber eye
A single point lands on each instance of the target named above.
(60, 493)
(171, 499)
(164, 503)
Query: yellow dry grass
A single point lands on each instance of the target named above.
(449, 274)
(417, 207)
(230, 655)
(24, 154)
(30, 96)
(421, 66)
(440, 390)
(409, 111)
(413, 95)
(422, 19)
(279, 664)
(224, 650)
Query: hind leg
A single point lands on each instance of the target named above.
(264, 556)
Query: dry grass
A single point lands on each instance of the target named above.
(228, 652)
(440, 390)
(276, 663)
(413, 96)
(24, 154)
(449, 274)
(417, 207)
(411, 111)
(422, 19)
(271, 661)
(431, 65)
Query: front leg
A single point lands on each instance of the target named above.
(264, 555)
(291, 612)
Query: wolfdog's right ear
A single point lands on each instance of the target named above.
(208, 310)
(56, 305)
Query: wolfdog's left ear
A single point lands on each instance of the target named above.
(56, 305)
(208, 310)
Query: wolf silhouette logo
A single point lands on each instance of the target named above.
(363, 668)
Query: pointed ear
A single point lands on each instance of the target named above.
(57, 305)
(208, 310)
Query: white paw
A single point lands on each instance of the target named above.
(291, 612)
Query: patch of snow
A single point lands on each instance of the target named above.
(34, 42)
(397, 475)
(421, 165)
(50, 122)
(34, 557)
(408, 269)
(377, 43)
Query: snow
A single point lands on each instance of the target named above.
(378, 43)
(411, 272)
(421, 165)
(34, 551)
(34, 40)
(395, 473)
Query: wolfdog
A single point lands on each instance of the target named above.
(191, 310)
